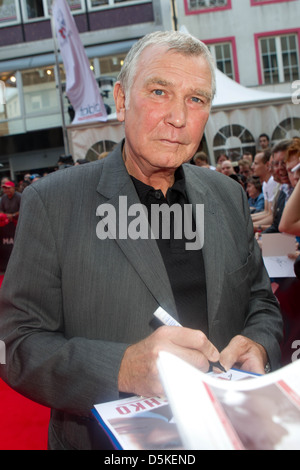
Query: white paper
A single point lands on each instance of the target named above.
(262, 413)
(275, 250)
(279, 266)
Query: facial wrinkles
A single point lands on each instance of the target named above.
(158, 72)
(175, 114)
(198, 92)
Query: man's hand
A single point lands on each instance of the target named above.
(243, 353)
(138, 372)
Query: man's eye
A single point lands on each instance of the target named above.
(158, 92)
(196, 99)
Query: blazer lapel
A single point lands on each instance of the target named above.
(199, 193)
(143, 254)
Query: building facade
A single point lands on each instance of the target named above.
(256, 43)
(31, 115)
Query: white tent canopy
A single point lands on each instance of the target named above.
(230, 94)
(240, 114)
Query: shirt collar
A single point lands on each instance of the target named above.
(179, 185)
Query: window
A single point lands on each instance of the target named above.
(9, 12)
(10, 108)
(233, 140)
(205, 6)
(75, 5)
(263, 2)
(222, 53)
(98, 148)
(112, 3)
(39, 89)
(30, 100)
(195, 4)
(287, 129)
(40, 9)
(34, 9)
(279, 58)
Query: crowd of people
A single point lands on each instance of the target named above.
(269, 179)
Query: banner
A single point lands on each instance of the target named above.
(81, 86)
(7, 235)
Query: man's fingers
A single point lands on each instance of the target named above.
(244, 353)
(191, 340)
(138, 371)
(229, 357)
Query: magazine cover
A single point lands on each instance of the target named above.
(139, 423)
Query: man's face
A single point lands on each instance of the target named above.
(245, 171)
(264, 143)
(290, 164)
(169, 106)
(259, 168)
(8, 191)
(227, 168)
(280, 167)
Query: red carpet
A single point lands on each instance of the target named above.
(23, 423)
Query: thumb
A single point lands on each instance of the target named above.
(230, 355)
(245, 354)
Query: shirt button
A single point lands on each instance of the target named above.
(157, 194)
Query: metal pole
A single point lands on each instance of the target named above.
(22, 21)
(87, 16)
(59, 85)
(174, 15)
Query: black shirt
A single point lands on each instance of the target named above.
(185, 267)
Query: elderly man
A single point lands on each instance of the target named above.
(78, 324)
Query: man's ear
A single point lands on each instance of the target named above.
(119, 97)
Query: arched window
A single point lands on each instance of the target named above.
(287, 129)
(98, 148)
(233, 140)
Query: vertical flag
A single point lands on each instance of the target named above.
(81, 86)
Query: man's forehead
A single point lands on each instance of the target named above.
(159, 53)
(279, 155)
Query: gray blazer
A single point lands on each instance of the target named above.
(71, 303)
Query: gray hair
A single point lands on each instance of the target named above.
(179, 42)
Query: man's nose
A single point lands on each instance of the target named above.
(177, 113)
